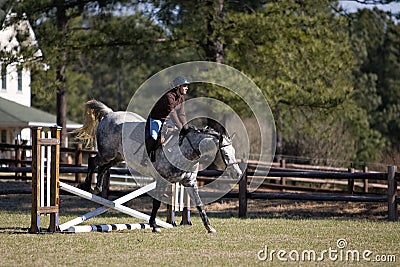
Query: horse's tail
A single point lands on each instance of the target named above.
(94, 113)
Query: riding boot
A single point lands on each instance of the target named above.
(151, 145)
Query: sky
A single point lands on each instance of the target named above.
(352, 6)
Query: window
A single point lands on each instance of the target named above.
(19, 79)
(3, 136)
(3, 77)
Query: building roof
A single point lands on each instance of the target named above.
(15, 115)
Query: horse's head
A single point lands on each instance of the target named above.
(226, 158)
(212, 145)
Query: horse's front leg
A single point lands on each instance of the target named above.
(194, 194)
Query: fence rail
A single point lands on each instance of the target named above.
(278, 172)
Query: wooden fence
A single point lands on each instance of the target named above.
(391, 177)
(280, 181)
(19, 160)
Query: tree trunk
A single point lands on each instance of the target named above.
(214, 47)
(61, 78)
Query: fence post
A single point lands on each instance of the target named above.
(243, 195)
(17, 156)
(350, 183)
(283, 179)
(55, 178)
(35, 215)
(78, 162)
(365, 186)
(23, 158)
(392, 194)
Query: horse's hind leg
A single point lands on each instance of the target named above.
(92, 164)
(101, 175)
(194, 194)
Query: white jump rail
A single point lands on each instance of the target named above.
(115, 205)
(65, 226)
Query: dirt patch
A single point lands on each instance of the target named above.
(223, 208)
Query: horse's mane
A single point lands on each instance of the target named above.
(207, 130)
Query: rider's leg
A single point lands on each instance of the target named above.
(151, 141)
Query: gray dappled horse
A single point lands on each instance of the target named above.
(120, 136)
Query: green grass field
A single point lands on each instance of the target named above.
(239, 242)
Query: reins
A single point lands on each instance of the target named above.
(197, 151)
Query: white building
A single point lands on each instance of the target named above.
(16, 113)
(15, 80)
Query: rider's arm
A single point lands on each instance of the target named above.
(173, 115)
(182, 115)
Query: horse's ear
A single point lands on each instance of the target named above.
(221, 138)
(232, 136)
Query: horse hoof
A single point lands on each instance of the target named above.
(211, 230)
(156, 230)
(95, 191)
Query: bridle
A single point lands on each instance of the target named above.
(196, 151)
(221, 146)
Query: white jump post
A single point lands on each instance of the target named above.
(46, 185)
(178, 195)
(45, 193)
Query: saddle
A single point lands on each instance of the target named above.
(164, 137)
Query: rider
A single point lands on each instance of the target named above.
(169, 108)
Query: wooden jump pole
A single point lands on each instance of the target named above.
(39, 206)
